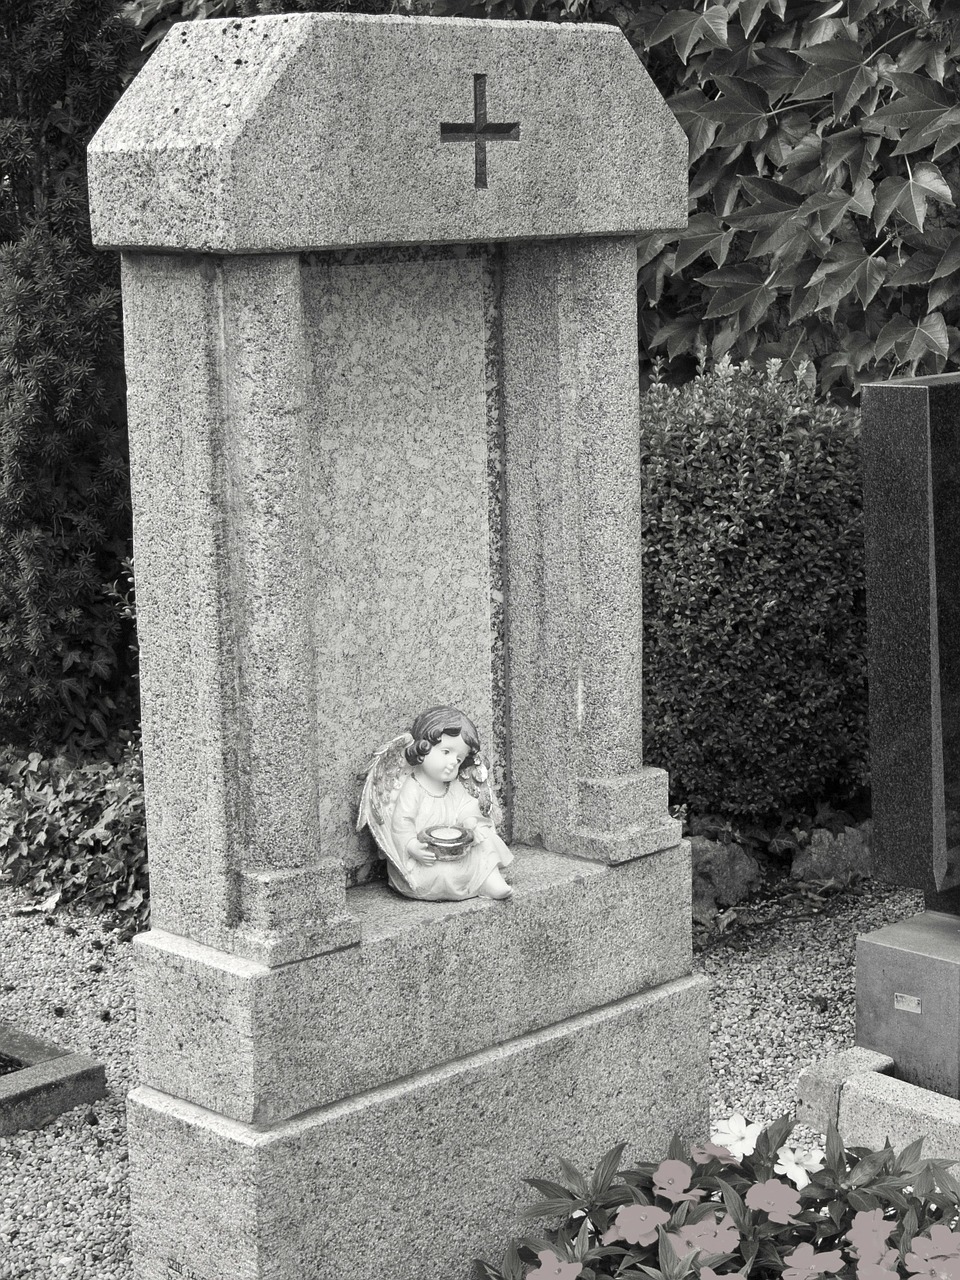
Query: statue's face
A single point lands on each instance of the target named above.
(442, 762)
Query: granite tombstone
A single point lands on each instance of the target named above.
(380, 325)
(904, 1077)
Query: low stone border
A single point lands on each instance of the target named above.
(51, 1080)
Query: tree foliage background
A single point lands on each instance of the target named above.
(823, 180)
(64, 504)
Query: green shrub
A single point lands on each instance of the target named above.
(64, 489)
(75, 831)
(754, 611)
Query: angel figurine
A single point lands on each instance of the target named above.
(429, 805)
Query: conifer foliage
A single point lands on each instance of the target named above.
(64, 493)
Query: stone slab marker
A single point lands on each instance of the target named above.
(380, 323)
(908, 973)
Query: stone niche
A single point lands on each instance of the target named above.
(379, 287)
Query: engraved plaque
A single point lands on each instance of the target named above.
(906, 1004)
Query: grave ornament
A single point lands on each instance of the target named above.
(427, 800)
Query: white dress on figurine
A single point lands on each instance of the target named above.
(440, 781)
(416, 809)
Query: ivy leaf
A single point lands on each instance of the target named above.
(694, 111)
(940, 291)
(908, 196)
(829, 208)
(687, 28)
(848, 269)
(852, 149)
(679, 335)
(911, 341)
(836, 67)
(742, 290)
(772, 202)
(705, 233)
(742, 111)
(749, 12)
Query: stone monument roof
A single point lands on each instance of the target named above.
(313, 131)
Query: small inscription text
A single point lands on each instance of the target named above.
(906, 1004)
(180, 1271)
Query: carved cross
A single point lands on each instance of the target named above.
(480, 131)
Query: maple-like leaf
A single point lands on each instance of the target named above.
(742, 110)
(705, 233)
(694, 111)
(910, 341)
(908, 196)
(743, 290)
(836, 68)
(686, 28)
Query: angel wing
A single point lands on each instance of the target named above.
(476, 781)
(385, 775)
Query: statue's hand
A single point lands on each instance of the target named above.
(421, 853)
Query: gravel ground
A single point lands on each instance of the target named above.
(782, 997)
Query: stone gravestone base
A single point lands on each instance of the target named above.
(460, 1048)
(379, 282)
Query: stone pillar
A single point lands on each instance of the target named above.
(216, 394)
(572, 450)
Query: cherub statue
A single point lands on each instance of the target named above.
(427, 799)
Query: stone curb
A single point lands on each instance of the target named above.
(51, 1081)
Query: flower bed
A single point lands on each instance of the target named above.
(747, 1203)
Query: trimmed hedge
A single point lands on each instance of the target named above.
(754, 604)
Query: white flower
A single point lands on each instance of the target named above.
(797, 1165)
(737, 1136)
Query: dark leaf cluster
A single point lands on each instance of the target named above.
(73, 831)
(64, 500)
(824, 179)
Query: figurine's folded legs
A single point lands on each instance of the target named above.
(495, 886)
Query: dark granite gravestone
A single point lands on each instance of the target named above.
(908, 974)
(911, 478)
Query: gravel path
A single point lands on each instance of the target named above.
(782, 997)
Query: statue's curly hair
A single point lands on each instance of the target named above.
(430, 726)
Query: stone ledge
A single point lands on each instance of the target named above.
(436, 1161)
(576, 936)
(52, 1080)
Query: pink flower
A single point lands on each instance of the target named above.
(884, 1269)
(776, 1199)
(551, 1268)
(805, 1263)
(710, 1151)
(710, 1236)
(943, 1243)
(936, 1268)
(869, 1232)
(637, 1224)
(671, 1179)
(938, 1256)
(727, 1238)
